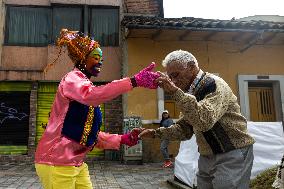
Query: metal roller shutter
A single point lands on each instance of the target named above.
(45, 96)
(14, 117)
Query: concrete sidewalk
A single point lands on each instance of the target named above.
(104, 175)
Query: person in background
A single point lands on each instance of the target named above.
(210, 111)
(166, 121)
(73, 128)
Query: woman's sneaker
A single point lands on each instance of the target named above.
(168, 163)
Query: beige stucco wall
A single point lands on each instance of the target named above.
(28, 63)
(215, 57)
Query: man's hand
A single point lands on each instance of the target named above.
(166, 83)
(147, 133)
(131, 138)
(136, 131)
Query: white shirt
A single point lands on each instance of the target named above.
(195, 81)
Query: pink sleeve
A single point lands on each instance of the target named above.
(108, 141)
(76, 86)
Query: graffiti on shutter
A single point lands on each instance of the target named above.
(14, 117)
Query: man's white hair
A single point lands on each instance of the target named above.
(180, 57)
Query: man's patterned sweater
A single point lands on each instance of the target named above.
(212, 113)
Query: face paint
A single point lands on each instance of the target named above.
(97, 55)
(98, 59)
(96, 51)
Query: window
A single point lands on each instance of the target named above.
(28, 26)
(104, 25)
(261, 99)
(66, 17)
(40, 26)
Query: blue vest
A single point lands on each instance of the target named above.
(82, 123)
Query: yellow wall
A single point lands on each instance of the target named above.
(215, 57)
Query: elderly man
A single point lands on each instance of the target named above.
(211, 112)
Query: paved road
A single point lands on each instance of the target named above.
(104, 175)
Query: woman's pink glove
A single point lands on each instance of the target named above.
(146, 77)
(131, 138)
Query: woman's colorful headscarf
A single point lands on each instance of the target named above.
(78, 45)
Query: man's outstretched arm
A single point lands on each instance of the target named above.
(179, 131)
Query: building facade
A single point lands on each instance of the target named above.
(28, 35)
(248, 55)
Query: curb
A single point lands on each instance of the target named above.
(177, 184)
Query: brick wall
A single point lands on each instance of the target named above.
(113, 124)
(114, 115)
(145, 7)
(32, 122)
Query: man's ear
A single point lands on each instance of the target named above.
(193, 69)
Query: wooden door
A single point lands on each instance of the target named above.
(171, 106)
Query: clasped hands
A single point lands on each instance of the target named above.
(131, 138)
(148, 78)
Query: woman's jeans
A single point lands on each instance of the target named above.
(164, 149)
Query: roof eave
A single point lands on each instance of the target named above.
(134, 26)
